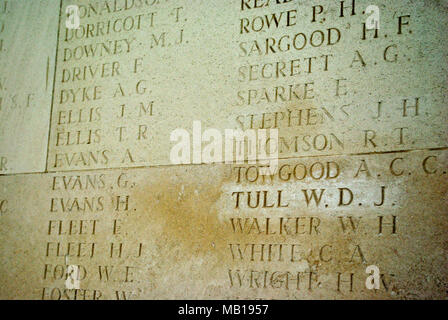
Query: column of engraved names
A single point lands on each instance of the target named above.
(278, 88)
(307, 229)
(105, 101)
(88, 255)
(303, 75)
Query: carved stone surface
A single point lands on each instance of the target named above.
(104, 212)
(27, 58)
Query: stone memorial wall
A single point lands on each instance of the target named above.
(118, 180)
